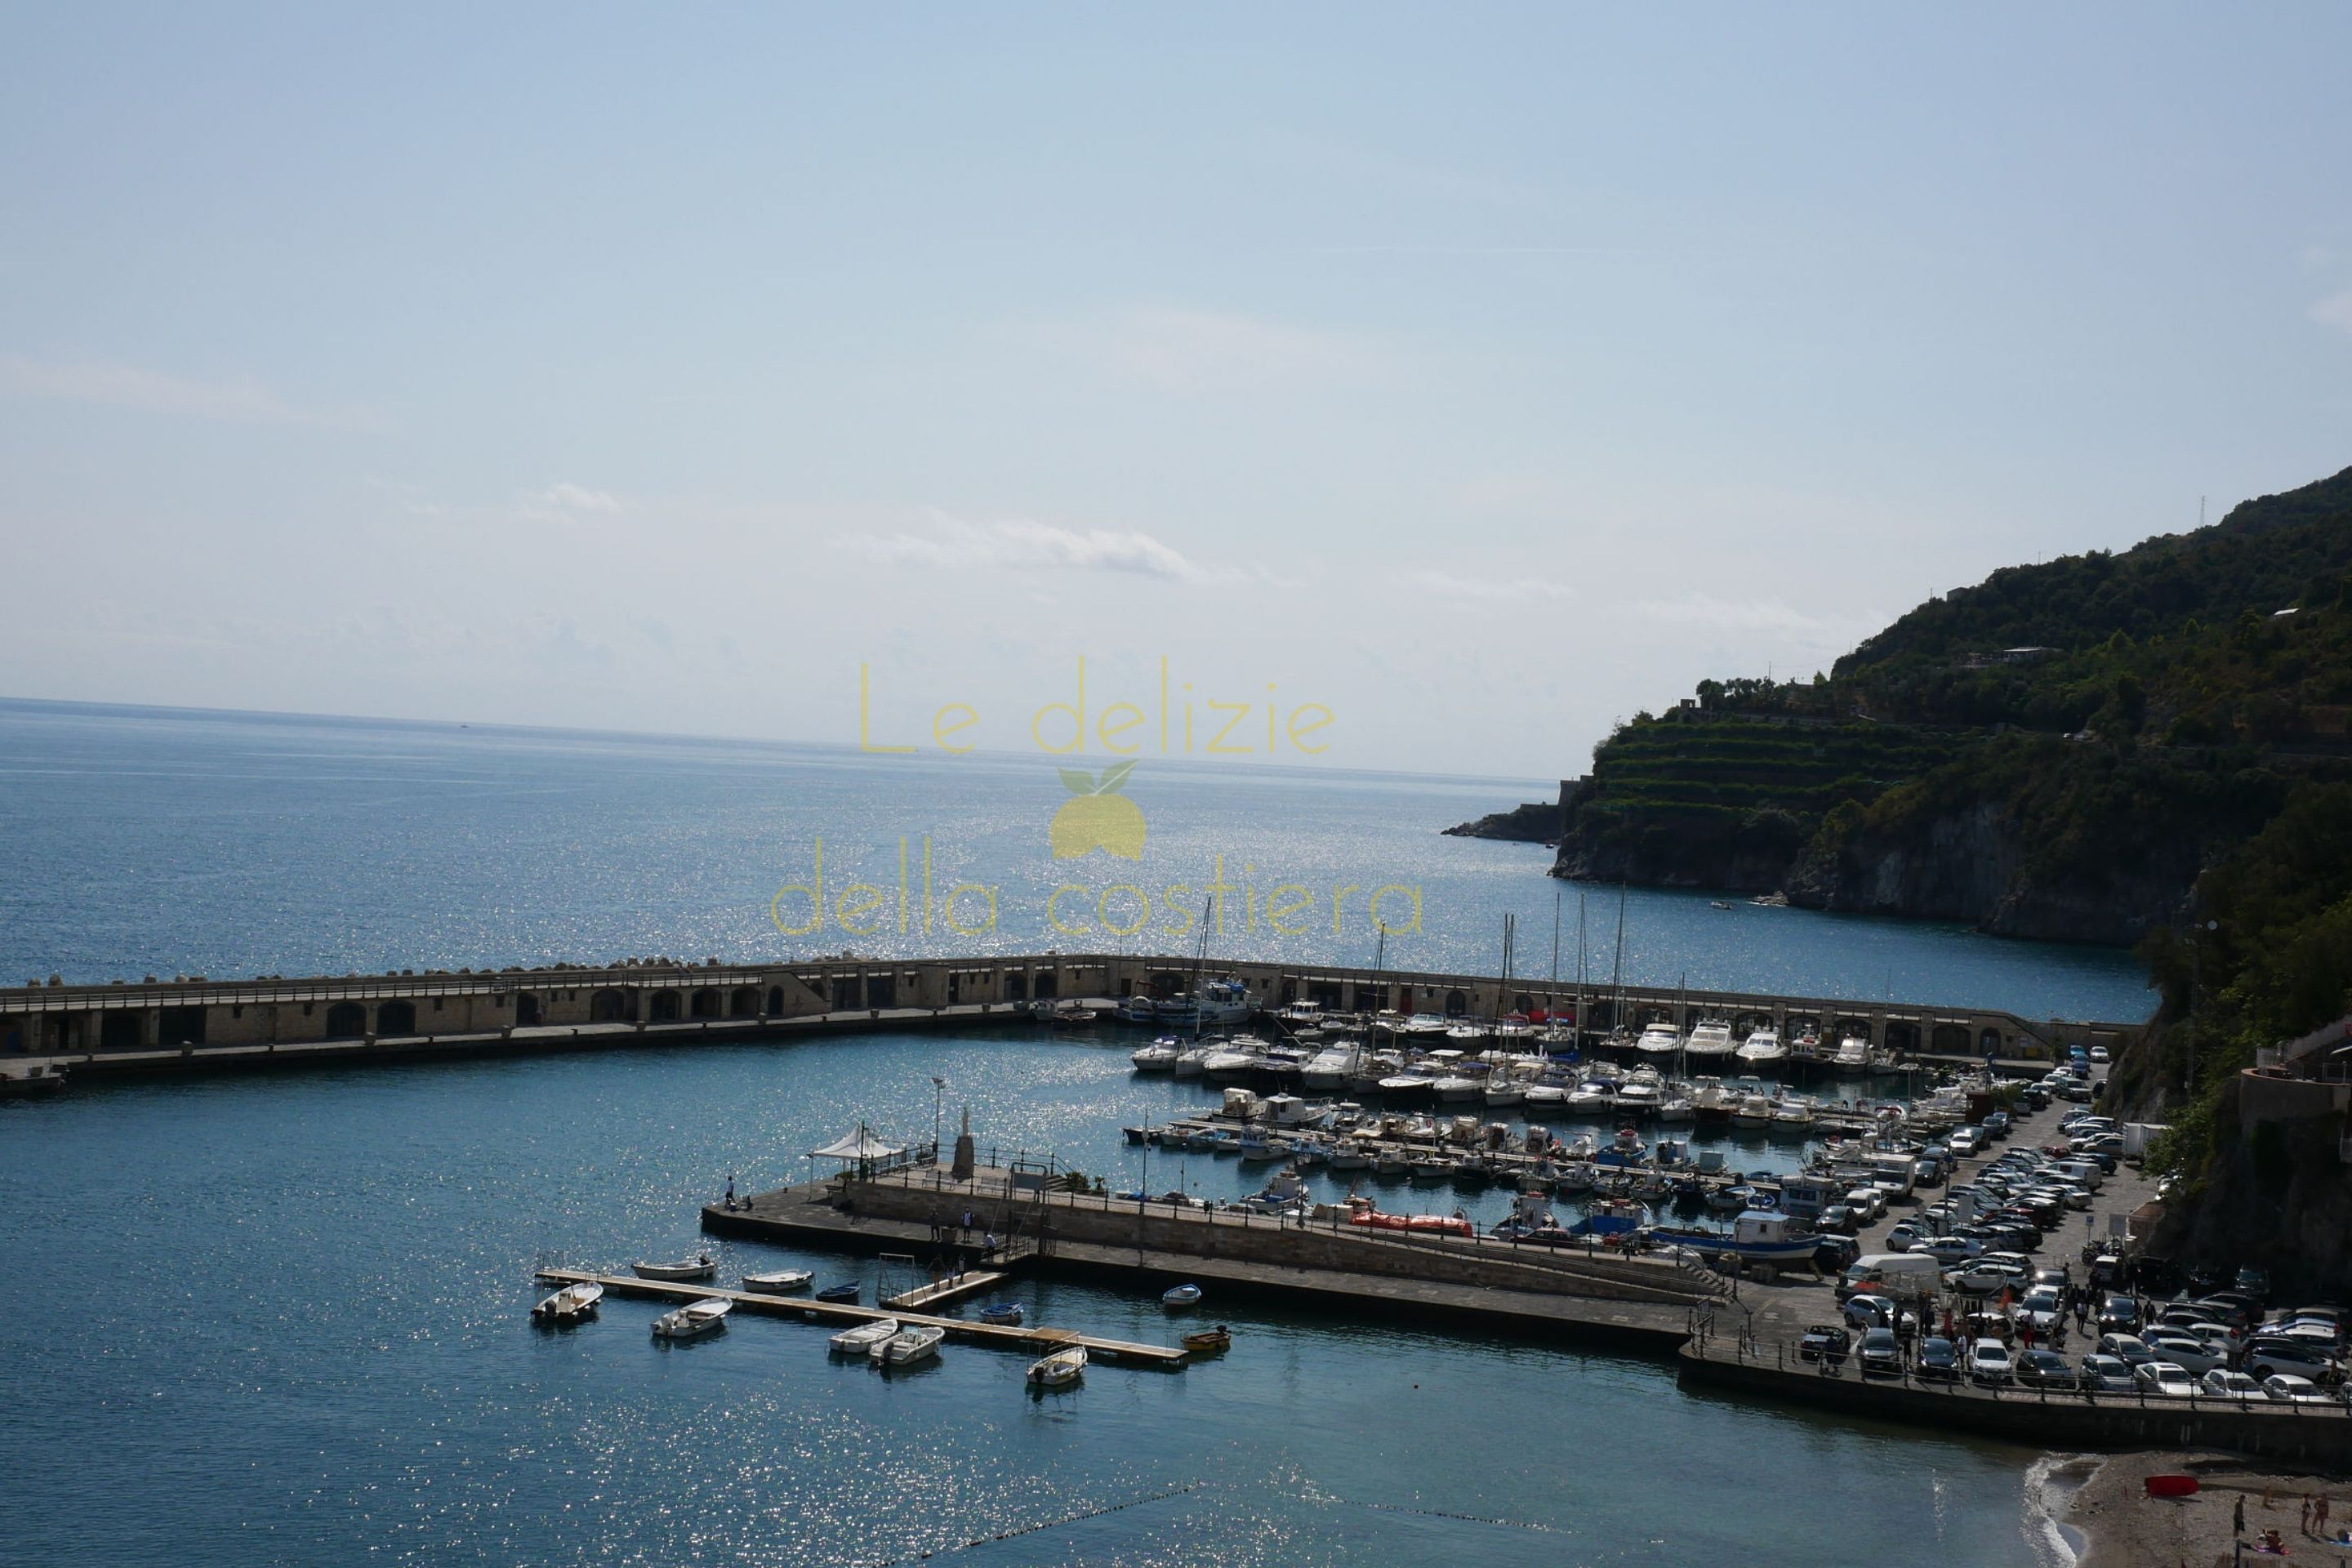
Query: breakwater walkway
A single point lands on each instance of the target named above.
(197, 1022)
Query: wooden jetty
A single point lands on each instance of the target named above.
(997, 1336)
(941, 1292)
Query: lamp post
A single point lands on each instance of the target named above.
(938, 1101)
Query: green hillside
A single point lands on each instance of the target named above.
(2094, 727)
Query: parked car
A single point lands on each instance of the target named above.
(1950, 1248)
(2255, 1282)
(2042, 1306)
(2191, 1355)
(1834, 1253)
(2220, 1385)
(1838, 1219)
(1940, 1360)
(2044, 1369)
(2163, 1378)
(2119, 1314)
(1881, 1356)
(1824, 1339)
(2291, 1390)
(2268, 1355)
(1989, 1363)
(2127, 1348)
(2106, 1374)
(1870, 1312)
(1905, 1236)
(2098, 1052)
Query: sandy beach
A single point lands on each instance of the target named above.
(2125, 1528)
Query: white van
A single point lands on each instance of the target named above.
(2085, 1172)
(1893, 1274)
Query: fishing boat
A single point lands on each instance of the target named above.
(1005, 1314)
(782, 1282)
(694, 1268)
(1348, 1155)
(694, 1320)
(1209, 1341)
(907, 1347)
(1756, 1236)
(1179, 1296)
(571, 1304)
(862, 1339)
(1429, 1168)
(1139, 1010)
(844, 1292)
(1059, 1370)
(1390, 1162)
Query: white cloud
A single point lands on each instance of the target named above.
(571, 499)
(2335, 310)
(1510, 587)
(1189, 350)
(240, 400)
(960, 545)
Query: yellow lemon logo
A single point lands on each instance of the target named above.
(1099, 818)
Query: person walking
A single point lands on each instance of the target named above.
(2306, 1513)
(2319, 1512)
(2238, 1516)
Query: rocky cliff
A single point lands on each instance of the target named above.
(1537, 822)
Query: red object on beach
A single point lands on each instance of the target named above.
(2172, 1486)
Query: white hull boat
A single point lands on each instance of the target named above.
(782, 1282)
(907, 1347)
(861, 1339)
(694, 1268)
(1059, 1370)
(694, 1320)
(570, 1304)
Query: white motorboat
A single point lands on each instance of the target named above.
(1710, 1039)
(1762, 1048)
(1329, 1068)
(1455, 1088)
(907, 1347)
(1160, 1056)
(1792, 1116)
(693, 1269)
(1591, 1097)
(571, 1304)
(1390, 1162)
(1180, 1296)
(1501, 1089)
(1638, 1099)
(1232, 1060)
(694, 1320)
(1853, 1055)
(1546, 1095)
(1059, 1370)
(862, 1339)
(1348, 1155)
(1659, 1040)
(782, 1282)
(1677, 1111)
(1188, 1062)
(1752, 1110)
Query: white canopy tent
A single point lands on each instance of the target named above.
(860, 1148)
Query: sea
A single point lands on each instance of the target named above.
(282, 1318)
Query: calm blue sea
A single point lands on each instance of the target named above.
(158, 841)
(279, 1319)
(282, 1320)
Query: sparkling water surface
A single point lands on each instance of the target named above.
(162, 841)
(281, 1318)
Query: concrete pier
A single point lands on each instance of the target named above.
(167, 1025)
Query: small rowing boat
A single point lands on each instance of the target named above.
(1180, 1296)
(693, 1269)
(1210, 1341)
(1006, 1313)
(844, 1292)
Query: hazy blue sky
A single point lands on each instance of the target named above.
(1483, 374)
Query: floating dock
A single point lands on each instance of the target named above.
(997, 1336)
